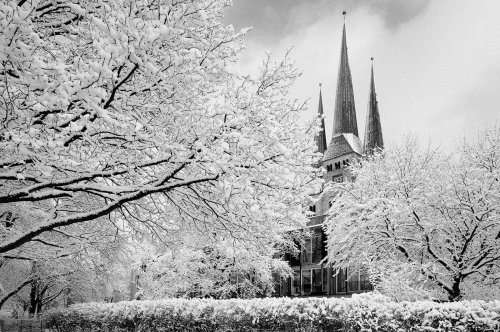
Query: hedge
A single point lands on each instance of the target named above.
(278, 314)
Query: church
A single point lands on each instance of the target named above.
(310, 277)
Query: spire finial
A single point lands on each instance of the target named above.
(372, 59)
(320, 85)
(344, 13)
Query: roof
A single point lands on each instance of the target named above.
(321, 136)
(344, 117)
(343, 144)
(373, 130)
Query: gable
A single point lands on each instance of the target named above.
(343, 144)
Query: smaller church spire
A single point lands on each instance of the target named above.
(321, 137)
(373, 129)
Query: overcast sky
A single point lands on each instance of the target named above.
(437, 63)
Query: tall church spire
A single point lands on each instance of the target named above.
(373, 130)
(345, 112)
(321, 137)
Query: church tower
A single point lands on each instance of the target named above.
(373, 129)
(310, 275)
(345, 111)
(345, 144)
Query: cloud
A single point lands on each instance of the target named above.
(277, 18)
(437, 68)
(396, 13)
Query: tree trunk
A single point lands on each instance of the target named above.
(35, 299)
(455, 294)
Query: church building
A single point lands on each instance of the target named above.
(311, 277)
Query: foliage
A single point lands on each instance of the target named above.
(365, 313)
(401, 281)
(127, 117)
(199, 267)
(122, 110)
(425, 211)
(31, 284)
(69, 264)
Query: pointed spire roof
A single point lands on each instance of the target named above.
(373, 130)
(344, 121)
(321, 137)
(345, 138)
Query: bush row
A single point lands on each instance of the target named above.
(278, 314)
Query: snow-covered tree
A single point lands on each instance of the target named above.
(400, 280)
(438, 214)
(70, 262)
(129, 113)
(219, 269)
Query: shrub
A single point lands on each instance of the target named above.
(278, 314)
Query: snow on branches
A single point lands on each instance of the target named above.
(218, 270)
(422, 209)
(130, 111)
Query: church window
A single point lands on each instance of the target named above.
(342, 281)
(306, 281)
(296, 283)
(317, 246)
(337, 165)
(312, 208)
(329, 168)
